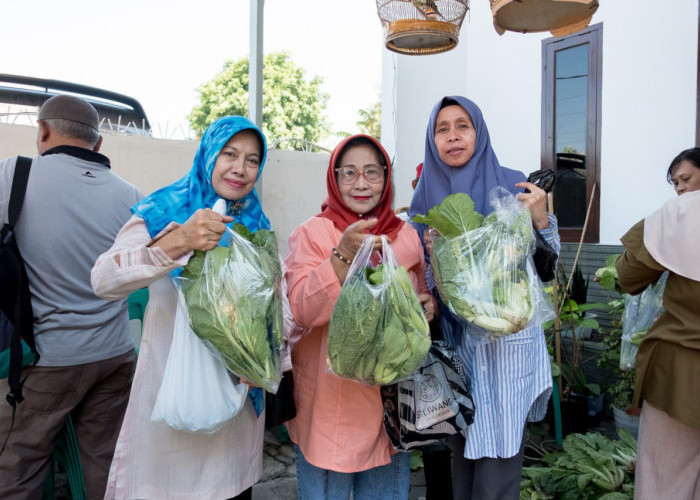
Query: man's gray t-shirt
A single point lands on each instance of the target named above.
(73, 209)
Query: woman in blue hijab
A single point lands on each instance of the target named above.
(152, 460)
(511, 380)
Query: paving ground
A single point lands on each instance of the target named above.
(279, 472)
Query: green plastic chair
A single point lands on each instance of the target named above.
(66, 454)
(137, 303)
(137, 309)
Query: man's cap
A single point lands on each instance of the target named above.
(67, 107)
(419, 170)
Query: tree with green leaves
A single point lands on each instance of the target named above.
(293, 108)
(370, 121)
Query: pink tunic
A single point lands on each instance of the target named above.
(339, 422)
(151, 460)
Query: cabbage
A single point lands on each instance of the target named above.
(482, 265)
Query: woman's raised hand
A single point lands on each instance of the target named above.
(354, 235)
(536, 201)
(203, 230)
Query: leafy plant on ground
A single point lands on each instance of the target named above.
(590, 466)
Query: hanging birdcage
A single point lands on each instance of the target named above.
(419, 27)
(559, 17)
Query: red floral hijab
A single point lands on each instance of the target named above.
(335, 209)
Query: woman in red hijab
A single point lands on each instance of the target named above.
(340, 442)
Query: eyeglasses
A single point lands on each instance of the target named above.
(349, 175)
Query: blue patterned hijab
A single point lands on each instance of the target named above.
(477, 177)
(178, 201)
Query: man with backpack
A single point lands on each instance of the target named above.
(73, 208)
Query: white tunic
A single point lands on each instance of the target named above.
(151, 460)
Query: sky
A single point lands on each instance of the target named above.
(159, 52)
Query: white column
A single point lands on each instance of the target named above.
(255, 70)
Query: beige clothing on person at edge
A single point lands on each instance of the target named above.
(668, 463)
(668, 360)
(151, 460)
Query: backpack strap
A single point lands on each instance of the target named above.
(19, 188)
(23, 317)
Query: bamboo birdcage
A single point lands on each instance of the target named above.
(559, 17)
(420, 27)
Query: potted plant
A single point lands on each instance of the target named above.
(621, 389)
(581, 399)
(576, 318)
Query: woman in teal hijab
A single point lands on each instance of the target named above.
(152, 460)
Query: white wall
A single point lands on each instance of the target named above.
(649, 92)
(293, 184)
(411, 85)
(648, 102)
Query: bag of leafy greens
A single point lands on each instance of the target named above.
(640, 313)
(233, 295)
(483, 266)
(378, 333)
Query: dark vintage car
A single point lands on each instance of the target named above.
(118, 112)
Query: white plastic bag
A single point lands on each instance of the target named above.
(197, 393)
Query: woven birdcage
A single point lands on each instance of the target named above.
(559, 17)
(419, 27)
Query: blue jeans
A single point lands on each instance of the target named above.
(386, 482)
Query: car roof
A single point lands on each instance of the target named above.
(118, 112)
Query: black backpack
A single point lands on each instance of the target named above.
(17, 347)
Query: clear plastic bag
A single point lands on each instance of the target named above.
(197, 393)
(234, 297)
(486, 276)
(378, 332)
(640, 313)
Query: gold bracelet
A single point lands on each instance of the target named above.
(342, 259)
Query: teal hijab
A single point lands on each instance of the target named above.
(178, 201)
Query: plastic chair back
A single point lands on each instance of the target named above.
(137, 309)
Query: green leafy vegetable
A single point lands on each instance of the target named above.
(454, 216)
(378, 332)
(480, 264)
(607, 276)
(637, 337)
(590, 466)
(233, 296)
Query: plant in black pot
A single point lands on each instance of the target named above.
(621, 389)
(581, 399)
